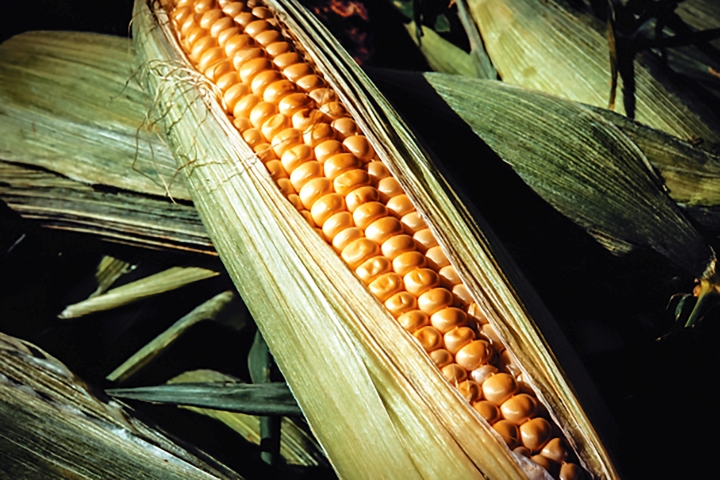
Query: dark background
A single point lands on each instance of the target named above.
(652, 377)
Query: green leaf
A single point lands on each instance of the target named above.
(252, 399)
(442, 24)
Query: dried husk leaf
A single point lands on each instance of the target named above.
(548, 47)
(402, 418)
(441, 55)
(483, 66)
(108, 271)
(54, 427)
(123, 217)
(165, 281)
(208, 310)
(581, 163)
(88, 123)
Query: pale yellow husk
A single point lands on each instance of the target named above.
(87, 124)
(165, 281)
(549, 47)
(374, 399)
(441, 55)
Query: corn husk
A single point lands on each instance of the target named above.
(68, 128)
(578, 160)
(441, 55)
(546, 46)
(128, 218)
(165, 281)
(108, 271)
(209, 310)
(53, 426)
(385, 410)
(80, 134)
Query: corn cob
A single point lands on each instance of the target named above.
(328, 170)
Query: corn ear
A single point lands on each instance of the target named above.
(386, 410)
(280, 282)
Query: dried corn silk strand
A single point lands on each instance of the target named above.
(324, 165)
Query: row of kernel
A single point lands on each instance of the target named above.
(284, 110)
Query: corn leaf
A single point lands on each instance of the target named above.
(314, 313)
(548, 46)
(297, 446)
(576, 159)
(252, 399)
(54, 427)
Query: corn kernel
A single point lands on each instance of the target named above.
(327, 168)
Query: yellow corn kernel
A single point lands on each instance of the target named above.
(321, 161)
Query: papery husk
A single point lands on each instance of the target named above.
(88, 122)
(547, 46)
(441, 55)
(165, 281)
(108, 271)
(700, 14)
(385, 411)
(87, 129)
(54, 426)
(208, 310)
(130, 218)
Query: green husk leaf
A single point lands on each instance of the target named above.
(297, 446)
(248, 398)
(578, 161)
